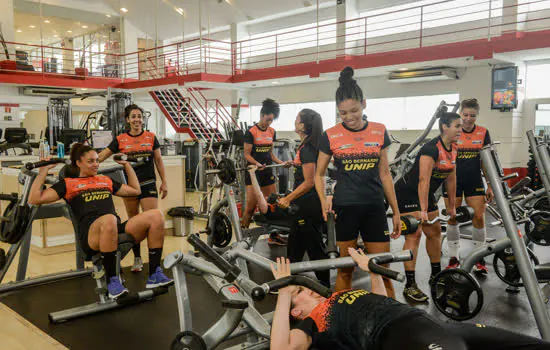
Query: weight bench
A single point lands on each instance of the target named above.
(125, 244)
(279, 224)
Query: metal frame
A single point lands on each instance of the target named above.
(490, 160)
(542, 159)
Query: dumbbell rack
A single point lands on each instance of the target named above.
(495, 176)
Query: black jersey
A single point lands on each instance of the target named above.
(142, 145)
(356, 158)
(305, 154)
(444, 164)
(352, 320)
(88, 196)
(262, 143)
(468, 160)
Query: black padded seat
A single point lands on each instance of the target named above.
(281, 221)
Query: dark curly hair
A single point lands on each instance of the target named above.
(348, 89)
(130, 108)
(269, 106)
(470, 103)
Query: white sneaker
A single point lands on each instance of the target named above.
(138, 265)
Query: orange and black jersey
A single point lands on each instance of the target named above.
(356, 157)
(262, 143)
(444, 164)
(88, 196)
(468, 160)
(352, 320)
(142, 145)
(305, 154)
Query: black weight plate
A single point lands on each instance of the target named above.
(188, 340)
(223, 231)
(13, 230)
(504, 263)
(456, 294)
(538, 229)
(2, 258)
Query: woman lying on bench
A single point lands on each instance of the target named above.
(358, 319)
(90, 199)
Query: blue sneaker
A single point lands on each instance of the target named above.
(115, 288)
(158, 279)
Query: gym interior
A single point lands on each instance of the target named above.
(188, 89)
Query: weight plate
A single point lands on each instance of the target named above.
(223, 231)
(542, 204)
(506, 268)
(2, 258)
(537, 229)
(188, 340)
(457, 294)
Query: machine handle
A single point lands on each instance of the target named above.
(33, 165)
(332, 249)
(259, 293)
(374, 267)
(510, 176)
(231, 271)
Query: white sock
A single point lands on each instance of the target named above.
(453, 240)
(478, 236)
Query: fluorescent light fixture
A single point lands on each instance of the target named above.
(85, 27)
(108, 16)
(31, 26)
(19, 31)
(275, 82)
(124, 9)
(180, 11)
(47, 21)
(402, 69)
(18, 47)
(69, 31)
(84, 89)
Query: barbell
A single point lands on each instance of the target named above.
(409, 224)
(227, 172)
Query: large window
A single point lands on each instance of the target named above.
(406, 113)
(538, 77)
(288, 114)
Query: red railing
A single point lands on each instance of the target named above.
(381, 31)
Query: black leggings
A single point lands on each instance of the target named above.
(306, 234)
(422, 332)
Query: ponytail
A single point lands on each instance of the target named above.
(78, 150)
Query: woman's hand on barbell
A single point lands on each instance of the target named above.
(283, 203)
(288, 163)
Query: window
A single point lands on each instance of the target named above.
(406, 113)
(288, 114)
(538, 77)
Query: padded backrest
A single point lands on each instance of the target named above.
(67, 171)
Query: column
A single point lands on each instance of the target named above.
(346, 10)
(238, 51)
(512, 20)
(129, 40)
(8, 28)
(68, 56)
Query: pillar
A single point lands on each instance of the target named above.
(238, 51)
(129, 40)
(8, 28)
(345, 10)
(512, 20)
(68, 56)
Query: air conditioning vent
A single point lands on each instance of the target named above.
(422, 75)
(46, 91)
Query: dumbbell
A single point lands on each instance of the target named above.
(274, 199)
(130, 159)
(409, 224)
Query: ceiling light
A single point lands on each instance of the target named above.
(47, 21)
(18, 30)
(180, 11)
(85, 27)
(84, 89)
(32, 26)
(69, 31)
(403, 69)
(275, 82)
(108, 16)
(124, 9)
(18, 47)
(56, 36)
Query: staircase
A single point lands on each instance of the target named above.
(189, 111)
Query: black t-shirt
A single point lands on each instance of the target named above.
(142, 145)
(352, 320)
(444, 164)
(262, 143)
(356, 158)
(305, 154)
(468, 160)
(88, 197)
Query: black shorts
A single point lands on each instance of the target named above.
(265, 177)
(407, 200)
(84, 229)
(468, 188)
(149, 190)
(368, 220)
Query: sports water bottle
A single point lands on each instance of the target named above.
(60, 149)
(46, 148)
(41, 149)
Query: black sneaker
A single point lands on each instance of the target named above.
(414, 293)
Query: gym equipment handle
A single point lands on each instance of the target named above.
(509, 176)
(30, 166)
(9, 197)
(374, 267)
(259, 293)
(231, 271)
(127, 158)
(332, 249)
